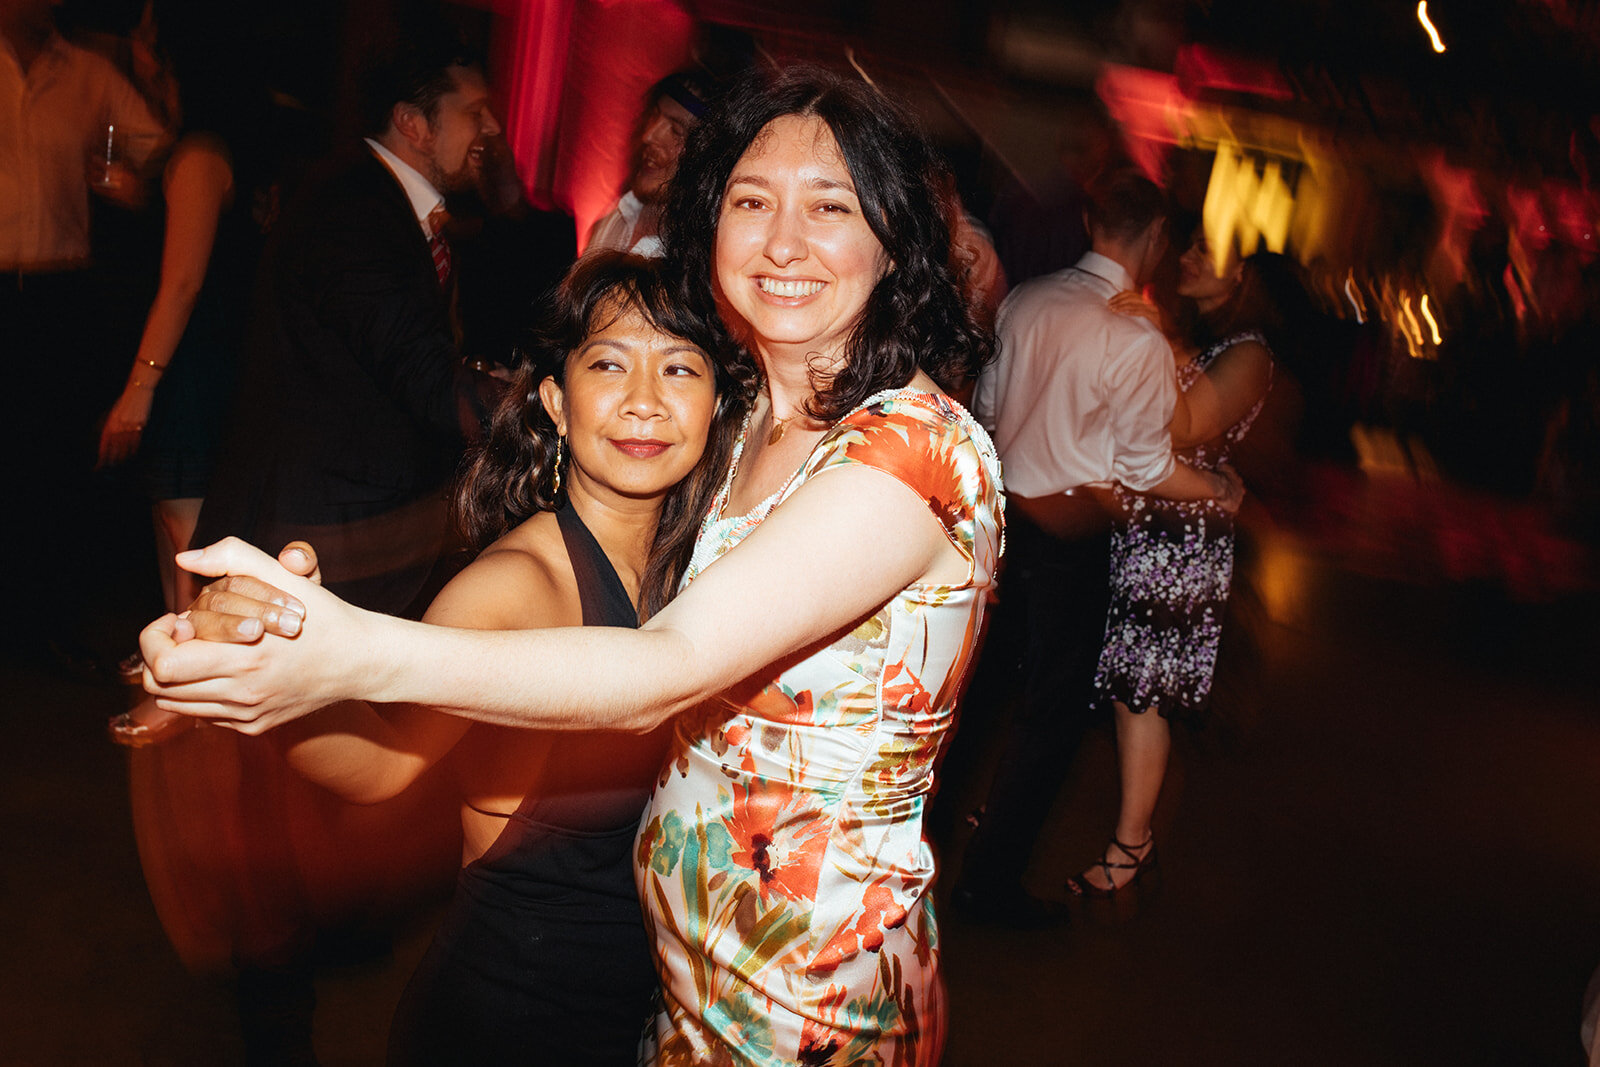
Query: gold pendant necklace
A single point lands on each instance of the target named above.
(778, 426)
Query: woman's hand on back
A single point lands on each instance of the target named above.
(1132, 303)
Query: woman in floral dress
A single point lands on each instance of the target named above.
(816, 653)
(1172, 562)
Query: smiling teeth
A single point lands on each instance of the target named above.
(774, 287)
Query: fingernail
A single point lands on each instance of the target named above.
(298, 553)
(289, 623)
(189, 553)
(250, 628)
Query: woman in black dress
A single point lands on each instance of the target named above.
(585, 501)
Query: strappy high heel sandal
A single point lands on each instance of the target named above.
(1141, 858)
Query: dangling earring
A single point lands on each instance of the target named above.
(560, 443)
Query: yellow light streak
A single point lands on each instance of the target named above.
(1432, 324)
(1352, 294)
(1410, 328)
(1422, 17)
(1243, 208)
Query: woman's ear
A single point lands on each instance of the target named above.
(1236, 272)
(553, 399)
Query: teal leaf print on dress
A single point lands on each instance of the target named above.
(669, 835)
(740, 1022)
(719, 847)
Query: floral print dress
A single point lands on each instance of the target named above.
(1171, 570)
(781, 863)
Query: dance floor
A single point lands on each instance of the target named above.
(1387, 851)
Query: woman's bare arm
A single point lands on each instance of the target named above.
(367, 754)
(841, 547)
(198, 183)
(1223, 395)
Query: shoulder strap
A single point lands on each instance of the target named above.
(605, 601)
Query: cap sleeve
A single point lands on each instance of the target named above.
(938, 451)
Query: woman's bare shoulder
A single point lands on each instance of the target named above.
(1251, 347)
(523, 581)
(1247, 359)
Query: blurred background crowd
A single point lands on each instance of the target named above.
(1436, 197)
(1427, 172)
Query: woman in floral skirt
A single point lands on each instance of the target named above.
(1172, 562)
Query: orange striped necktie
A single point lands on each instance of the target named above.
(438, 218)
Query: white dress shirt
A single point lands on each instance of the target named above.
(425, 199)
(615, 230)
(1078, 394)
(52, 120)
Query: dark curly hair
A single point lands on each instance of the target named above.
(915, 316)
(512, 475)
(417, 71)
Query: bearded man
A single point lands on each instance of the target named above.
(676, 103)
(354, 404)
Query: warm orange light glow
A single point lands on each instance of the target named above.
(1410, 328)
(1433, 34)
(1433, 324)
(1241, 204)
(1352, 294)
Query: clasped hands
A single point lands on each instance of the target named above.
(240, 655)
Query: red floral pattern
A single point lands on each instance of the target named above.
(782, 863)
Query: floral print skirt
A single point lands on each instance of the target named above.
(1171, 570)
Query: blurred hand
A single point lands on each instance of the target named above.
(124, 426)
(498, 185)
(1230, 489)
(1134, 305)
(117, 182)
(241, 609)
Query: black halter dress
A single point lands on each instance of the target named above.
(542, 957)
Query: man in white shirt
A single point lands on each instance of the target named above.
(1079, 397)
(676, 104)
(62, 104)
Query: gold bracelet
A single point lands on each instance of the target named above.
(153, 365)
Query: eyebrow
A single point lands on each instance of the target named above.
(607, 342)
(813, 183)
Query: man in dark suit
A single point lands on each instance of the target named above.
(354, 405)
(353, 410)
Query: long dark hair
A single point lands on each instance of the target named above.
(1268, 297)
(915, 316)
(512, 474)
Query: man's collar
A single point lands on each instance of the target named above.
(55, 46)
(1107, 268)
(423, 196)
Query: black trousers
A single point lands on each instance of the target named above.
(1061, 588)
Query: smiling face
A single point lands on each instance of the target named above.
(795, 258)
(458, 133)
(660, 145)
(635, 408)
(1198, 278)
